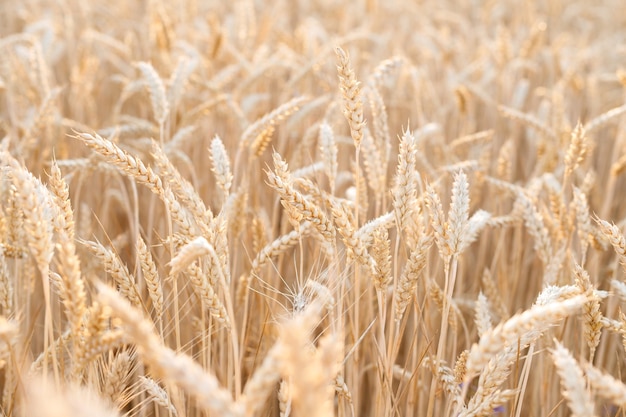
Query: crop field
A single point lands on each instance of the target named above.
(312, 208)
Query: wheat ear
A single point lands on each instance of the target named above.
(176, 368)
(572, 382)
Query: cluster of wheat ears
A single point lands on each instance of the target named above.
(321, 208)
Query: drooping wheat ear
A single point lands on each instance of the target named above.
(592, 316)
(436, 295)
(407, 283)
(528, 120)
(351, 93)
(193, 250)
(95, 338)
(489, 394)
(366, 232)
(279, 245)
(151, 276)
(601, 120)
(445, 375)
(221, 165)
(175, 368)
(179, 189)
(487, 405)
(379, 122)
(605, 385)
(72, 288)
(158, 97)
(552, 293)
(536, 228)
(381, 252)
(328, 147)
(438, 222)
(458, 214)
(157, 394)
(298, 206)
(135, 168)
(119, 272)
(618, 166)
(504, 168)
(483, 315)
(130, 127)
(263, 381)
(259, 133)
(117, 377)
(208, 295)
(356, 247)
(60, 190)
(493, 294)
(572, 382)
(179, 79)
(536, 319)
(14, 237)
(373, 164)
(380, 129)
(614, 235)
(578, 149)
(125, 162)
(404, 191)
(36, 203)
(460, 368)
(583, 221)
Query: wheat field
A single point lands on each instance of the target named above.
(325, 208)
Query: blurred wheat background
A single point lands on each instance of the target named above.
(324, 208)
